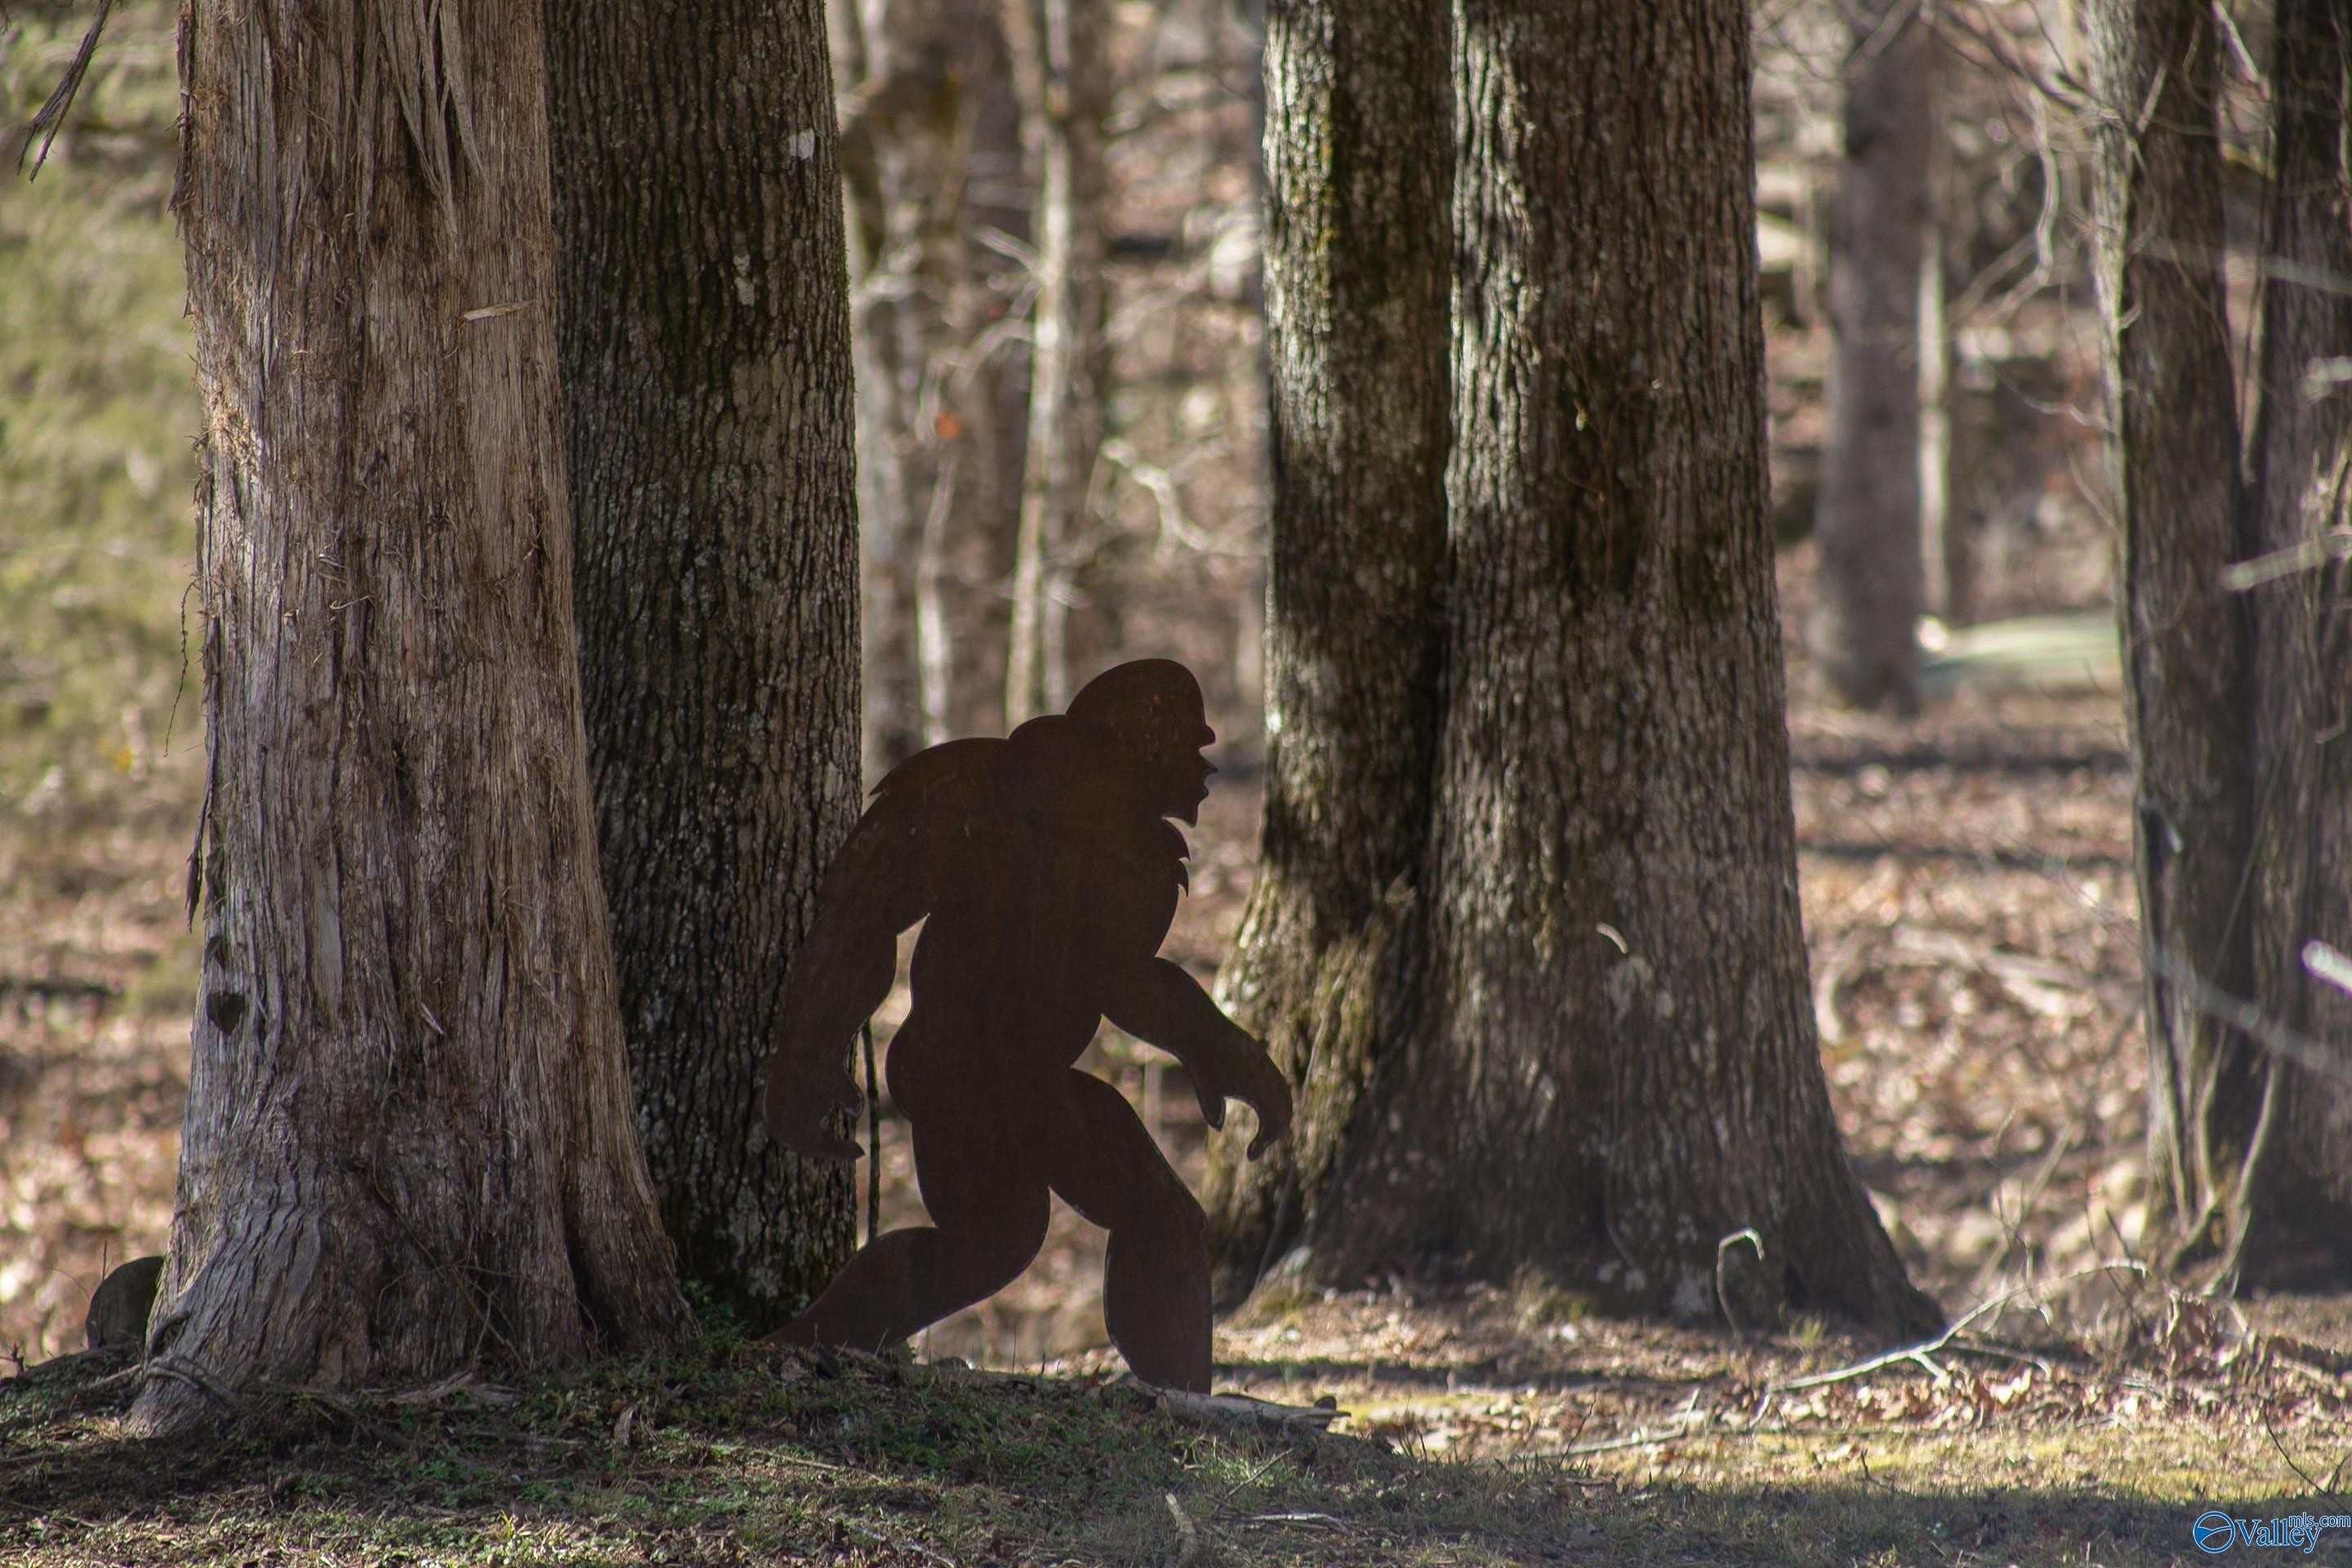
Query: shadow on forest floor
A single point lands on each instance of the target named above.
(737, 1455)
(1978, 1029)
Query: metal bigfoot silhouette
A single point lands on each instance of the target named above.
(1050, 876)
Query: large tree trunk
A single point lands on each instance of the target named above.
(1063, 81)
(706, 376)
(2186, 687)
(1870, 586)
(2292, 1226)
(410, 1145)
(1609, 1068)
(1358, 239)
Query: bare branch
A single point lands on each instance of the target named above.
(61, 98)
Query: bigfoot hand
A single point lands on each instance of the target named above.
(801, 1101)
(1237, 1067)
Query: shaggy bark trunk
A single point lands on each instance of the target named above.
(1064, 84)
(2187, 684)
(410, 1145)
(1870, 585)
(2292, 1227)
(1610, 1068)
(706, 373)
(1357, 237)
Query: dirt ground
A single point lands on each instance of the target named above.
(1967, 884)
(1967, 889)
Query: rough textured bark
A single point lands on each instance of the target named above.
(410, 1146)
(1870, 586)
(1609, 1068)
(2187, 686)
(1358, 238)
(2293, 1227)
(1064, 83)
(707, 376)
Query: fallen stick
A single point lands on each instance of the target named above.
(1922, 1352)
(1242, 1409)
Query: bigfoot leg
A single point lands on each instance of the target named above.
(1156, 1280)
(990, 1220)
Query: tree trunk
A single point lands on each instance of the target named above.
(1865, 626)
(1943, 538)
(707, 372)
(2187, 684)
(1358, 238)
(410, 1145)
(1608, 1070)
(1063, 80)
(2292, 1229)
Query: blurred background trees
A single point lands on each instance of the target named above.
(1925, 218)
(1053, 242)
(932, 161)
(2235, 645)
(1026, 483)
(1871, 523)
(1968, 439)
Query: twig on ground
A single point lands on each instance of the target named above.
(1612, 1444)
(2013, 1229)
(1188, 1535)
(1722, 1297)
(1921, 1352)
(2006, 1353)
(1250, 1479)
(448, 1387)
(1658, 1439)
(806, 1464)
(1245, 1410)
(2270, 1430)
(1296, 1516)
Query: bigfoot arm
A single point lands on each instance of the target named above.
(1160, 1004)
(840, 975)
(878, 885)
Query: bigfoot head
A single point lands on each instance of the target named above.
(1151, 714)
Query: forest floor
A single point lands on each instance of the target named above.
(1966, 889)
(1967, 896)
(740, 1455)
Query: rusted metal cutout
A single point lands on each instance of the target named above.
(1050, 876)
